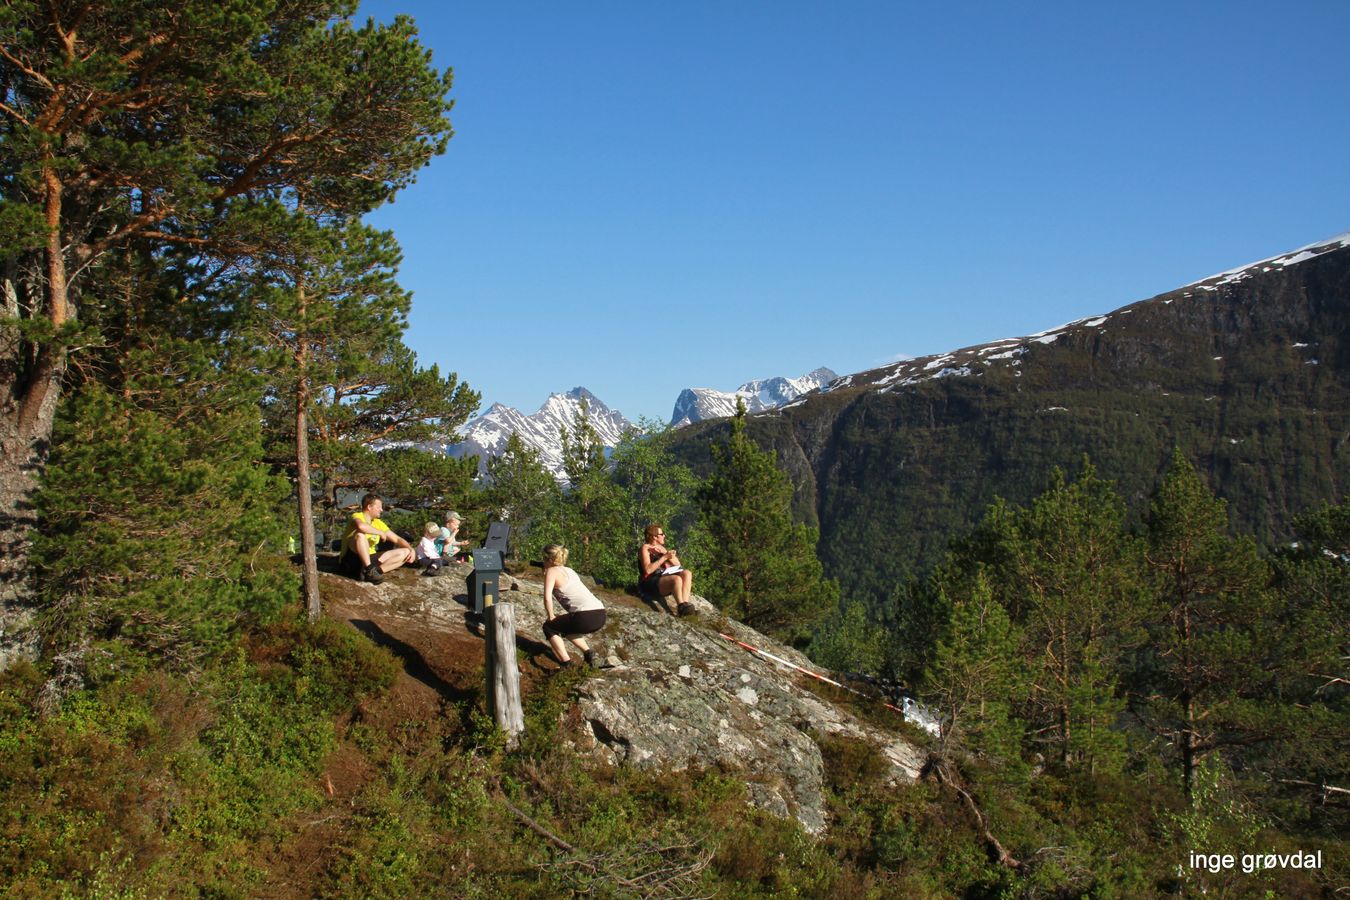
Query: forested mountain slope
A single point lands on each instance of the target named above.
(1247, 372)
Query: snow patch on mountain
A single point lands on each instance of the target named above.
(973, 361)
(1293, 257)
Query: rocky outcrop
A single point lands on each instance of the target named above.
(675, 694)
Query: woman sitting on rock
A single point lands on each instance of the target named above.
(584, 614)
(660, 572)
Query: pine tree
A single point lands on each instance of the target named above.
(654, 485)
(977, 675)
(1211, 609)
(332, 316)
(1069, 576)
(756, 563)
(522, 492)
(591, 512)
(1306, 761)
(127, 122)
(848, 641)
(160, 525)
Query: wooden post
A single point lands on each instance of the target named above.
(503, 678)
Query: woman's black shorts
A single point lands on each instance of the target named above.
(575, 624)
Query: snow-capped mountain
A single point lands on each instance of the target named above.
(973, 361)
(486, 436)
(695, 404)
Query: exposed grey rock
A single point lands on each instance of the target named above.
(688, 698)
(677, 695)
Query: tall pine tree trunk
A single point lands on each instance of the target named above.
(313, 605)
(1188, 733)
(1189, 745)
(24, 443)
(30, 385)
(307, 549)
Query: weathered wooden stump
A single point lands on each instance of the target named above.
(503, 677)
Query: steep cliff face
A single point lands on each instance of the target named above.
(1247, 372)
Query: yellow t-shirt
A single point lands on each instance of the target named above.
(372, 539)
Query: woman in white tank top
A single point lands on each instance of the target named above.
(582, 612)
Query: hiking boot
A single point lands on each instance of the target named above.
(373, 574)
(685, 609)
(591, 659)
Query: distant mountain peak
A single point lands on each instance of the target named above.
(542, 430)
(696, 404)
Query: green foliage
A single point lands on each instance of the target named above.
(607, 504)
(152, 781)
(521, 491)
(200, 124)
(847, 641)
(328, 316)
(159, 524)
(977, 675)
(182, 737)
(753, 560)
(1069, 576)
(1218, 820)
(414, 479)
(1307, 678)
(1209, 623)
(589, 517)
(654, 486)
(188, 121)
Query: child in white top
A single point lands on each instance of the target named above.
(427, 557)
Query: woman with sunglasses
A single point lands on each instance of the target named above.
(660, 572)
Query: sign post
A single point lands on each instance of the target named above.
(499, 620)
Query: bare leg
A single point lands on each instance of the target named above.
(559, 650)
(669, 585)
(392, 559)
(686, 584)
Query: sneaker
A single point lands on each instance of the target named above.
(373, 573)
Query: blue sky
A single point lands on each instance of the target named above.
(644, 197)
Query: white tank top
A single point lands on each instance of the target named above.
(573, 595)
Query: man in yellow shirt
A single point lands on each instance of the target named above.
(366, 531)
